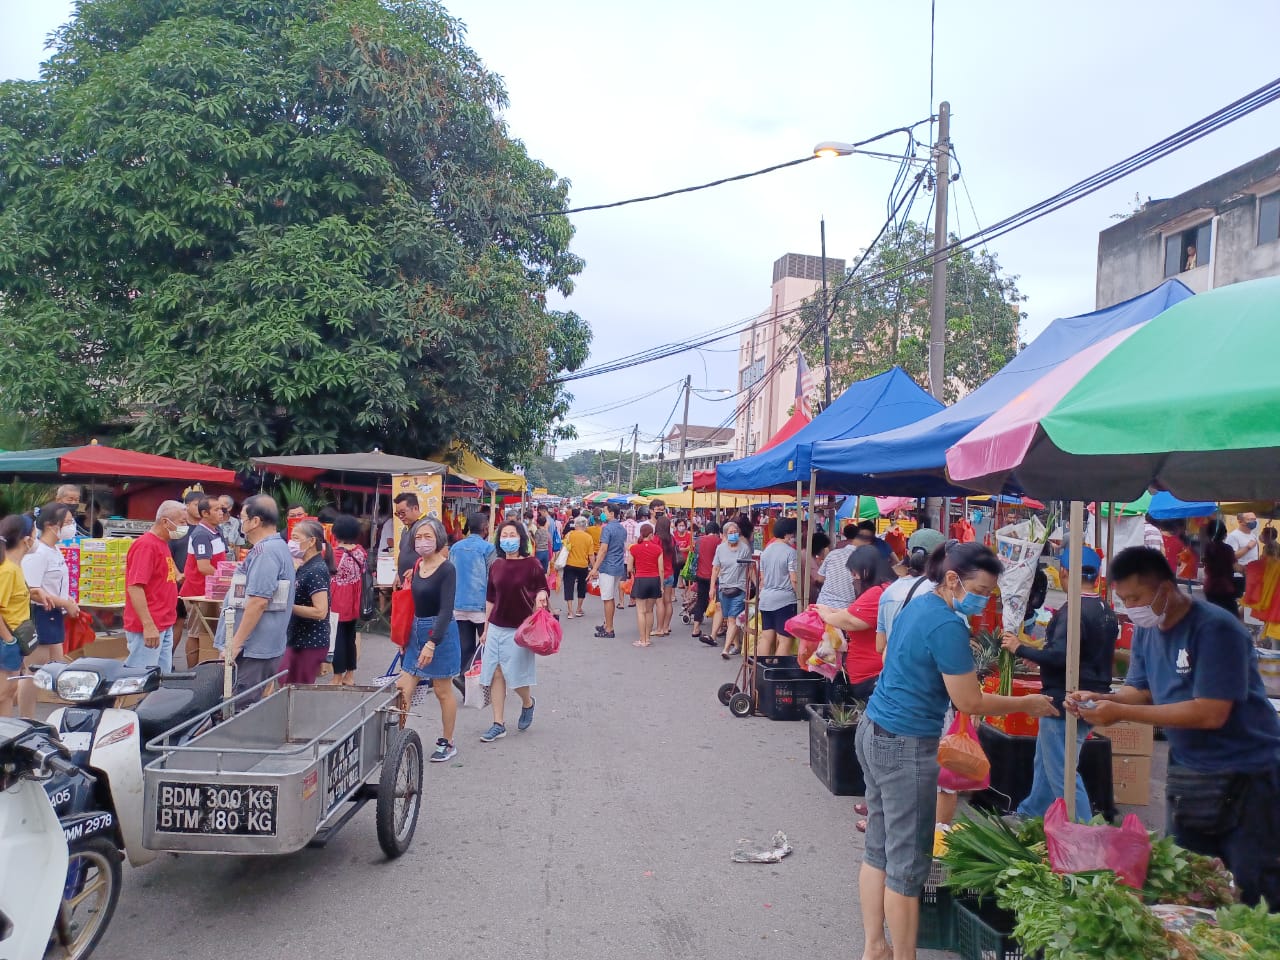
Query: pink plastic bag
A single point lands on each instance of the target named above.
(1074, 847)
(807, 627)
(540, 633)
(962, 727)
(950, 780)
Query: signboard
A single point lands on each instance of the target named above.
(430, 491)
(342, 771)
(240, 810)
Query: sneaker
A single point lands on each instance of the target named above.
(496, 732)
(444, 751)
(526, 716)
(605, 634)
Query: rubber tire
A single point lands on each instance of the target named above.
(726, 692)
(404, 746)
(686, 617)
(108, 852)
(740, 705)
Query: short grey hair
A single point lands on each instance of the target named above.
(67, 488)
(580, 523)
(436, 527)
(169, 506)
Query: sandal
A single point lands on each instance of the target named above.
(861, 826)
(724, 654)
(860, 809)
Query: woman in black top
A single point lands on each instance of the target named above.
(308, 643)
(434, 652)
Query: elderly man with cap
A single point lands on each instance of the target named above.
(1098, 631)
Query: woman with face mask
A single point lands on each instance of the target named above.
(308, 634)
(517, 587)
(729, 569)
(927, 665)
(49, 581)
(16, 629)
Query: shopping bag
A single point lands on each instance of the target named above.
(1019, 546)
(562, 558)
(949, 780)
(402, 614)
(807, 626)
(553, 579)
(79, 632)
(625, 585)
(423, 689)
(474, 693)
(1076, 847)
(593, 587)
(960, 752)
(540, 633)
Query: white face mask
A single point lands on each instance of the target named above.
(68, 531)
(180, 532)
(1143, 616)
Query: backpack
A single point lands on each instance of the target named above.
(556, 542)
(346, 586)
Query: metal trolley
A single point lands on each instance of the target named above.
(285, 773)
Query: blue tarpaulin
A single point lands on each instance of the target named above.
(911, 460)
(869, 406)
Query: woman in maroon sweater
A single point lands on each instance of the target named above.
(517, 587)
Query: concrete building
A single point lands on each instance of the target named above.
(766, 354)
(1223, 231)
(704, 448)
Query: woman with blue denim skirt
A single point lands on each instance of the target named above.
(434, 652)
(928, 663)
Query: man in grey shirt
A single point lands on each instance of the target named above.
(778, 590)
(261, 599)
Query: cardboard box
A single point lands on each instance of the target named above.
(108, 647)
(1129, 739)
(1131, 780)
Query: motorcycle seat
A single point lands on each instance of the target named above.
(179, 699)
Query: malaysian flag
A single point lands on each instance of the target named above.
(804, 386)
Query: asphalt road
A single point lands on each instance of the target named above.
(603, 831)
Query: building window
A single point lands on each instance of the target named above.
(1187, 249)
(1269, 218)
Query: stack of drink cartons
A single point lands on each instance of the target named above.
(102, 571)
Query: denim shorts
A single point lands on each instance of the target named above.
(732, 606)
(902, 783)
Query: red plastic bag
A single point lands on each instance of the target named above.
(79, 632)
(961, 753)
(402, 614)
(1075, 847)
(948, 780)
(807, 627)
(540, 633)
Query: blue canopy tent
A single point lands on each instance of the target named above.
(887, 400)
(911, 460)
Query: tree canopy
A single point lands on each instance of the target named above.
(234, 227)
(882, 322)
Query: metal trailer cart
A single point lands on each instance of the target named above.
(285, 773)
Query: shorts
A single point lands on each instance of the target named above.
(10, 656)
(732, 606)
(51, 625)
(668, 581)
(646, 588)
(902, 780)
(609, 586)
(776, 620)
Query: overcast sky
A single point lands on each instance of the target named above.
(632, 99)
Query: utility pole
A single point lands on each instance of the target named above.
(684, 429)
(826, 323)
(938, 301)
(936, 507)
(635, 437)
(617, 480)
(750, 385)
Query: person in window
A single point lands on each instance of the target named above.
(1098, 632)
(1191, 258)
(308, 635)
(1194, 673)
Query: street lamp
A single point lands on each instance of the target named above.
(834, 148)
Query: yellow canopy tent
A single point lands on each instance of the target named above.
(468, 462)
(706, 499)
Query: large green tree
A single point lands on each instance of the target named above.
(881, 316)
(236, 226)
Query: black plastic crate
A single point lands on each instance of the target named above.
(784, 692)
(984, 932)
(937, 929)
(1013, 768)
(832, 754)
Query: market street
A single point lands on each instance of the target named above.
(604, 831)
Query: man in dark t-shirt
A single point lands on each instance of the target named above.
(205, 549)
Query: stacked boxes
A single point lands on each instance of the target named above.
(217, 586)
(1131, 747)
(102, 571)
(71, 554)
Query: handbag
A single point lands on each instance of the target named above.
(25, 634)
(346, 587)
(473, 692)
(1208, 803)
(562, 558)
(420, 693)
(402, 614)
(960, 752)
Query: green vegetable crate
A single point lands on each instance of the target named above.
(984, 932)
(937, 913)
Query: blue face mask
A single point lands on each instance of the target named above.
(732, 538)
(509, 544)
(971, 604)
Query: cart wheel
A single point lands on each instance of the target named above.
(88, 899)
(740, 704)
(726, 692)
(686, 617)
(399, 792)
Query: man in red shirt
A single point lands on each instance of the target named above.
(151, 582)
(205, 549)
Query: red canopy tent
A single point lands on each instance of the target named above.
(98, 460)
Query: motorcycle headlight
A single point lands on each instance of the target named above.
(78, 685)
(43, 681)
(127, 685)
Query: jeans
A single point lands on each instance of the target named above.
(140, 655)
(1049, 780)
(902, 783)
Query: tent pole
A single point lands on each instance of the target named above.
(1111, 542)
(717, 504)
(813, 483)
(800, 530)
(1073, 651)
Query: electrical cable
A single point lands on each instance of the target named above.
(615, 404)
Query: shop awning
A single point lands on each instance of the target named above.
(100, 460)
(470, 463)
(314, 467)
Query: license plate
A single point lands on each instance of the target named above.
(242, 810)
